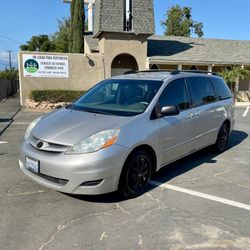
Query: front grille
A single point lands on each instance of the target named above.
(47, 146)
(56, 180)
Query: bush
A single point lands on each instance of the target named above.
(55, 96)
(9, 74)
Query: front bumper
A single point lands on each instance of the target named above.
(67, 173)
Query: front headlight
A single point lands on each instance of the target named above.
(30, 127)
(95, 142)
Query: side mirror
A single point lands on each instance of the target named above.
(170, 111)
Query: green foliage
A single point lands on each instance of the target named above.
(77, 26)
(55, 96)
(9, 74)
(179, 22)
(69, 36)
(62, 37)
(234, 74)
(41, 43)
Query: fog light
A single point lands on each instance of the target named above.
(91, 183)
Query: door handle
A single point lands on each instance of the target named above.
(190, 116)
(197, 114)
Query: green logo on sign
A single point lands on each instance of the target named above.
(31, 66)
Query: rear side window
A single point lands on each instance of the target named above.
(221, 89)
(175, 94)
(201, 90)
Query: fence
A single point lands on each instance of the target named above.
(8, 88)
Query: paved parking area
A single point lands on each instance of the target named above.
(200, 202)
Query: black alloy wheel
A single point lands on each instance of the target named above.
(222, 139)
(135, 175)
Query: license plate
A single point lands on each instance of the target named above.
(32, 165)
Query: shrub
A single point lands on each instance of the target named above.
(55, 96)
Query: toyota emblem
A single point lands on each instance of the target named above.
(39, 144)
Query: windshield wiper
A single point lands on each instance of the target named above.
(72, 105)
(97, 111)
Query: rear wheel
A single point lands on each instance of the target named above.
(222, 139)
(135, 175)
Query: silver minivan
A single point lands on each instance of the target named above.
(126, 128)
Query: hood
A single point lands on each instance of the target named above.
(68, 127)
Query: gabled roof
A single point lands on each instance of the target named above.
(197, 50)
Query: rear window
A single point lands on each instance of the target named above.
(221, 89)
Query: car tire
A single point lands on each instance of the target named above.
(135, 175)
(222, 138)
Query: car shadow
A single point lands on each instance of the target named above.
(172, 170)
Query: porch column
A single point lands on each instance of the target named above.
(147, 64)
(210, 68)
(179, 66)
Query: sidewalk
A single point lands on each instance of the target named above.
(8, 109)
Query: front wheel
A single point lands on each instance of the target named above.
(135, 175)
(222, 138)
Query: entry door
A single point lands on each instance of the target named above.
(175, 132)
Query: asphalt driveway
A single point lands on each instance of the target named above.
(199, 202)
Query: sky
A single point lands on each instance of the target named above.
(21, 19)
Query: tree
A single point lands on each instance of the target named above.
(61, 38)
(179, 22)
(77, 26)
(39, 43)
(232, 76)
(9, 74)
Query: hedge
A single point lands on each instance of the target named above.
(55, 96)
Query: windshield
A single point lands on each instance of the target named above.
(119, 97)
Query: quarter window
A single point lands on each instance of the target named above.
(175, 94)
(201, 90)
(221, 89)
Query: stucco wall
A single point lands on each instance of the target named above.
(113, 44)
(88, 69)
(84, 72)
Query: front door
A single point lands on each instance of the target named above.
(175, 132)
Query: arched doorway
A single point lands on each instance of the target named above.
(123, 63)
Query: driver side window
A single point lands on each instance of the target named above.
(175, 94)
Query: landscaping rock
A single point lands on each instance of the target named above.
(44, 105)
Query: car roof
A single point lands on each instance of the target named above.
(159, 75)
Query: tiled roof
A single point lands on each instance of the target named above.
(109, 16)
(92, 42)
(198, 50)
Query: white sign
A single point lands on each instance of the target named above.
(38, 65)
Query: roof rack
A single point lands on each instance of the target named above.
(194, 71)
(173, 72)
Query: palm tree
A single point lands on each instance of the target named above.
(233, 76)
